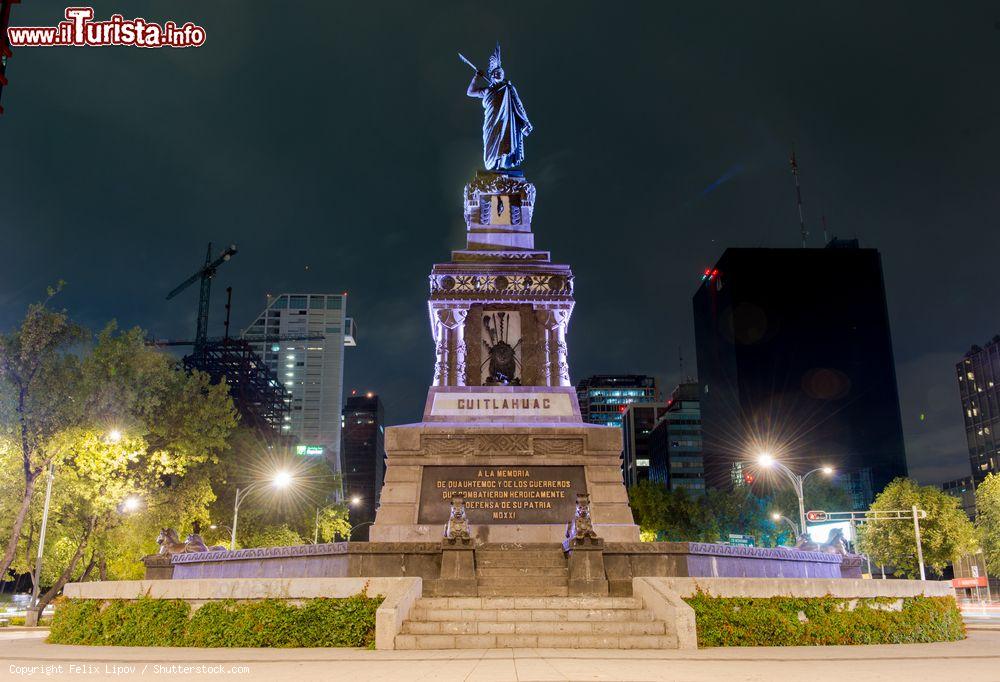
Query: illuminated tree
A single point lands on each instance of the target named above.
(988, 520)
(945, 534)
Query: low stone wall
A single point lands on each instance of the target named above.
(329, 560)
(625, 561)
(400, 594)
(622, 562)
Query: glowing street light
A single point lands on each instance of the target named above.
(766, 460)
(281, 479)
(355, 501)
(33, 614)
(778, 517)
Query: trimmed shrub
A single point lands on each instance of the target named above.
(792, 621)
(318, 622)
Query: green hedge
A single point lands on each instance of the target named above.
(320, 622)
(791, 621)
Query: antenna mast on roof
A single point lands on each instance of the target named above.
(798, 197)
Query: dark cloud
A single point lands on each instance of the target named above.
(337, 136)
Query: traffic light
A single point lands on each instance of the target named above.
(816, 516)
(749, 478)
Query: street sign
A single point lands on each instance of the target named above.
(968, 582)
(309, 450)
(741, 540)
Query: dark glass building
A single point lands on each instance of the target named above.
(603, 397)
(638, 421)
(363, 459)
(795, 359)
(675, 442)
(979, 388)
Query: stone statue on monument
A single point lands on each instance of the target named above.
(505, 123)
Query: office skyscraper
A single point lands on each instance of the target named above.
(979, 388)
(675, 442)
(603, 397)
(301, 338)
(638, 421)
(795, 358)
(363, 459)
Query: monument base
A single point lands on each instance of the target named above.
(520, 479)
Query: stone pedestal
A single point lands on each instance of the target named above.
(519, 467)
(158, 567)
(585, 560)
(458, 568)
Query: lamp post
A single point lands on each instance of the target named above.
(767, 461)
(781, 517)
(351, 531)
(114, 436)
(281, 480)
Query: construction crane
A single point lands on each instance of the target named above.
(5, 52)
(205, 275)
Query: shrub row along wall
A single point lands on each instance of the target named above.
(319, 622)
(797, 621)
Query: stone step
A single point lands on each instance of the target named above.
(536, 627)
(506, 641)
(522, 582)
(503, 559)
(522, 571)
(442, 615)
(531, 603)
(507, 590)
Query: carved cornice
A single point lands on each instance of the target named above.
(261, 553)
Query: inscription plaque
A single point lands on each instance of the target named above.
(502, 494)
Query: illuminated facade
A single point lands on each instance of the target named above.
(979, 388)
(604, 397)
(301, 338)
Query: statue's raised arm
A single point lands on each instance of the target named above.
(505, 123)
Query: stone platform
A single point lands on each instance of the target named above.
(519, 473)
(511, 569)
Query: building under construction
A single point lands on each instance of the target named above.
(259, 397)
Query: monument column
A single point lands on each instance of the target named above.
(562, 363)
(440, 350)
(454, 324)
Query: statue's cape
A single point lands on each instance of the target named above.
(505, 125)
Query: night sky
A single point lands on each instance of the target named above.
(331, 142)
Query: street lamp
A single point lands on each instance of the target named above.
(777, 516)
(131, 503)
(281, 479)
(113, 436)
(766, 460)
(355, 501)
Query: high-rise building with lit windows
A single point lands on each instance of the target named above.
(301, 337)
(603, 397)
(979, 388)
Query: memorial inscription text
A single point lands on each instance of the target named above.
(502, 494)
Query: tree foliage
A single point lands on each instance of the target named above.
(945, 534)
(988, 521)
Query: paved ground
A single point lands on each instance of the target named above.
(977, 658)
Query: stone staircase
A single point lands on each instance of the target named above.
(521, 570)
(487, 622)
